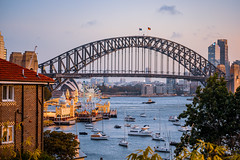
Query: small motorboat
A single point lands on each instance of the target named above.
(162, 149)
(129, 118)
(127, 125)
(148, 102)
(184, 129)
(117, 126)
(99, 136)
(135, 128)
(157, 137)
(123, 143)
(142, 115)
(173, 119)
(83, 133)
(140, 133)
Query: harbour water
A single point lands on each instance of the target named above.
(109, 149)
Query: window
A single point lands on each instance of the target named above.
(7, 134)
(8, 93)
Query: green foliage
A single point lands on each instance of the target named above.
(147, 154)
(123, 90)
(47, 94)
(60, 145)
(214, 116)
(204, 150)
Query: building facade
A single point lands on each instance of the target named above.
(214, 54)
(224, 54)
(21, 106)
(3, 51)
(27, 60)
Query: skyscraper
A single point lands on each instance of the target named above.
(224, 54)
(223, 51)
(3, 51)
(214, 54)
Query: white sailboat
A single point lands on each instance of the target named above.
(124, 142)
(165, 148)
(99, 135)
(157, 136)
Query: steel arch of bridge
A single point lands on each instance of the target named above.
(70, 63)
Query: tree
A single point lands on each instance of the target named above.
(213, 115)
(147, 154)
(205, 150)
(60, 145)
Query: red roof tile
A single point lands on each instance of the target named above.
(13, 72)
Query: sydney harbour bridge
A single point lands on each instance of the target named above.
(129, 56)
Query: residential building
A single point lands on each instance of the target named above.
(147, 89)
(21, 104)
(3, 51)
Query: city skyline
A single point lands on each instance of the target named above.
(58, 26)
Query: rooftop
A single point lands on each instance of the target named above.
(13, 72)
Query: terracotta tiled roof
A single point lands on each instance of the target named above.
(13, 72)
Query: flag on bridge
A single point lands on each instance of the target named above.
(149, 28)
(140, 29)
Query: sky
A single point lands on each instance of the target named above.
(56, 26)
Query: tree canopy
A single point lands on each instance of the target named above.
(60, 145)
(214, 116)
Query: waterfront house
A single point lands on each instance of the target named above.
(21, 104)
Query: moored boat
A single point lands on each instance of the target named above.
(184, 129)
(142, 115)
(83, 133)
(162, 149)
(173, 119)
(99, 136)
(157, 137)
(117, 126)
(140, 133)
(129, 118)
(123, 143)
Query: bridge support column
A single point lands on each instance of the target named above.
(234, 77)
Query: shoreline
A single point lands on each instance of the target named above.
(144, 96)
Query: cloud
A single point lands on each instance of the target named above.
(208, 33)
(176, 35)
(169, 10)
(89, 23)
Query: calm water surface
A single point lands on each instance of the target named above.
(109, 149)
